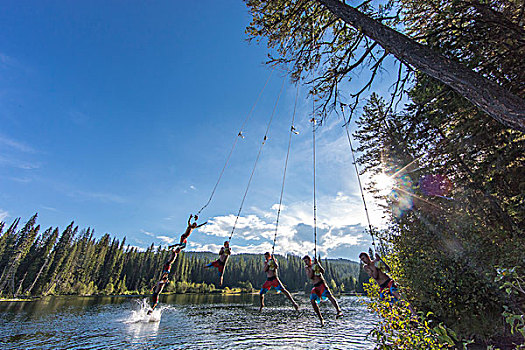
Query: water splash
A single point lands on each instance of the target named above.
(141, 314)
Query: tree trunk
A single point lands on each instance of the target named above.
(498, 103)
(28, 291)
(19, 289)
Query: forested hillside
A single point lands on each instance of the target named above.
(73, 261)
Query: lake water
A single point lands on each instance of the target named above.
(182, 322)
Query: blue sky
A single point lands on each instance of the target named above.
(119, 116)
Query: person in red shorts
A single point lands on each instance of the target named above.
(272, 281)
(320, 291)
(220, 263)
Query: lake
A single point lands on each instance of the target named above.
(182, 322)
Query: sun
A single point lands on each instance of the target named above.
(383, 183)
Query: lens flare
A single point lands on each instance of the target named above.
(436, 185)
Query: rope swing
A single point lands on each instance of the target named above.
(346, 122)
(313, 149)
(292, 131)
(257, 160)
(239, 135)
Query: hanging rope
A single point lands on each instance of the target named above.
(292, 131)
(239, 135)
(357, 173)
(313, 148)
(257, 160)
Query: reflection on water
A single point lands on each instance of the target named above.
(182, 322)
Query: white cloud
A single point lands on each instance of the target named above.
(147, 233)
(49, 208)
(3, 214)
(101, 196)
(140, 249)
(338, 229)
(19, 146)
(20, 164)
(192, 187)
(166, 239)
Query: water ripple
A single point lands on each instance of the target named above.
(188, 322)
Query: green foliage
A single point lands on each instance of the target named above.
(513, 282)
(398, 328)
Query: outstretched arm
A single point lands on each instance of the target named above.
(202, 224)
(189, 219)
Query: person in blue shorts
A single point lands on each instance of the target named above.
(320, 291)
(272, 281)
(377, 269)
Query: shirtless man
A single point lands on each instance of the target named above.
(387, 286)
(186, 234)
(272, 280)
(320, 291)
(220, 263)
(166, 269)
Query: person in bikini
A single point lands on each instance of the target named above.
(272, 281)
(377, 269)
(184, 238)
(220, 263)
(320, 291)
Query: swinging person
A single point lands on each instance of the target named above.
(272, 281)
(387, 286)
(320, 291)
(163, 281)
(220, 263)
(184, 238)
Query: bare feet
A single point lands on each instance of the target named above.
(296, 306)
(339, 314)
(322, 322)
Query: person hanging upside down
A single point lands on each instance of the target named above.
(320, 291)
(184, 238)
(220, 263)
(272, 280)
(166, 269)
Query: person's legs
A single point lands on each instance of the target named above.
(261, 297)
(317, 311)
(335, 304)
(289, 296)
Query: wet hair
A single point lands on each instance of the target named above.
(267, 253)
(307, 257)
(364, 254)
(226, 242)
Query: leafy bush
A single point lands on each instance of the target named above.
(399, 328)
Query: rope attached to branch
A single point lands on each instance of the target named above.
(346, 122)
(313, 149)
(292, 131)
(239, 135)
(256, 161)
